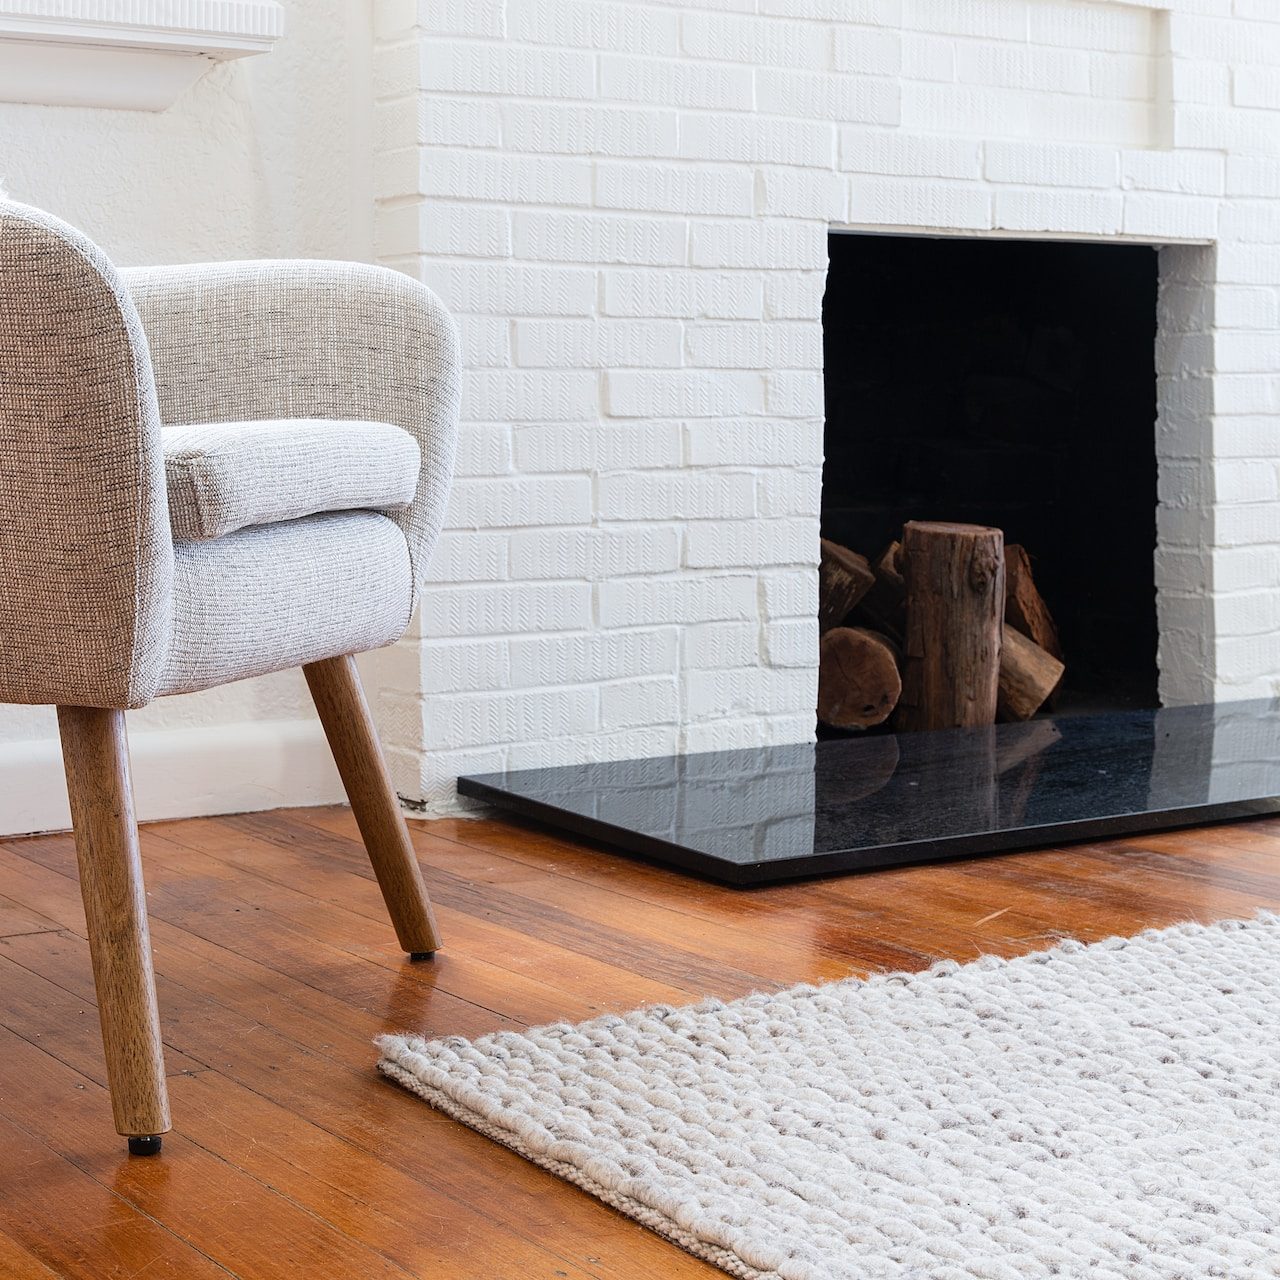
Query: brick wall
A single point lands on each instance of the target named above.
(626, 205)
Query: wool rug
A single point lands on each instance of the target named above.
(1110, 1111)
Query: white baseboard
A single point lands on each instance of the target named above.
(181, 773)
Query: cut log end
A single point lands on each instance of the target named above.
(858, 679)
(1028, 676)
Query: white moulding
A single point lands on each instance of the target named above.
(140, 55)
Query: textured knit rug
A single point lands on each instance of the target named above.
(1104, 1111)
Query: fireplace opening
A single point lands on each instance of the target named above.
(1010, 384)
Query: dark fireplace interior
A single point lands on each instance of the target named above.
(1006, 383)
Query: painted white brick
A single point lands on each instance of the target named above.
(794, 295)
(758, 41)
(593, 24)
(485, 340)
(800, 193)
(462, 17)
(790, 595)
(687, 189)
(1031, 163)
(686, 294)
(636, 702)
(752, 443)
(1239, 308)
(788, 492)
(1185, 217)
(517, 289)
(1092, 212)
(714, 694)
(795, 394)
(484, 449)
(511, 180)
(1186, 172)
(578, 344)
(903, 155)
(928, 57)
(492, 503)
(589, 130)
(454, 667)
(868, 51)
(502, 610)
(464, 231)
(455, 66)
(1001, 19)
(1253, 176)
(511, 716)
(1013, 66)
(543, 236)
(741, 244)
(864, 12)
(469, 557)
(720, 645)
(756, 139)
(724, 544)
(910, 202)
(677, 83)
(659, 495)
(513, 395)
(594, 554)
(792, 643)
(638, 602)
(689, 393)
(592, 656)
(602, 446)
(748, 345)
(843, 97)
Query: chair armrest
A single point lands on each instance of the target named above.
(238, 341)
(86, 560)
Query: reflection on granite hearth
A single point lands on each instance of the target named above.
(773, 813)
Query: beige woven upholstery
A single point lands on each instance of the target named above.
(224, 476)
(98, 607)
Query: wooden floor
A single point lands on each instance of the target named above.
(291, 1157)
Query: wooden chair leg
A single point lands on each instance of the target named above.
(95, 755)
(339, 698)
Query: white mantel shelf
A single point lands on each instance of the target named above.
(134, 54)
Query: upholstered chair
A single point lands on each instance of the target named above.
(208, 473)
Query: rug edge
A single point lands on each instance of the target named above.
(635, 1210)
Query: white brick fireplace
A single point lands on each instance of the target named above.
(627, 206)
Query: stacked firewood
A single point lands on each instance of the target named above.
(945, 629)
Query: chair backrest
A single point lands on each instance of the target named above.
(86, 558)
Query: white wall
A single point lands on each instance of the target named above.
(265, 157)
(627, 205)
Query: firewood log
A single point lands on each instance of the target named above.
(954, 578)
(1028, 675)
(858, 680)
(844, 577)
(884, 607)
(1024, 607)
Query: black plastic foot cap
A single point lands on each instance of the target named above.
(148, 1146)
(416, 956)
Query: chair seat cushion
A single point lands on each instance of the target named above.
(224, 476)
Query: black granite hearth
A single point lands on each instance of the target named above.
(775, 813)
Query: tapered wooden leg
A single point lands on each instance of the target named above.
(95, 753)
(339, 698)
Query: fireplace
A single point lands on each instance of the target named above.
(1008, 383)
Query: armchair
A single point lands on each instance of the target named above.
(208, 473)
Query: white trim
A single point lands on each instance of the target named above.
(136, 54)
(181, 773)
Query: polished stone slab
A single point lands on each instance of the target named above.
(775, 813)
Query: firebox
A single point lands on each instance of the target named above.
(1011, 384)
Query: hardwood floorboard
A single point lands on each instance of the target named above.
(277, 966)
